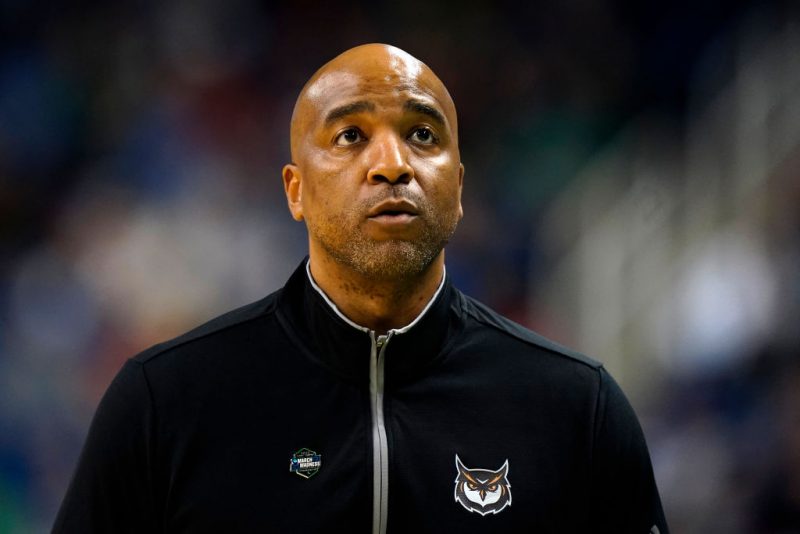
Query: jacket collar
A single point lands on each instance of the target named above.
(344, 347)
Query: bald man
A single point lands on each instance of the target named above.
(368, 395)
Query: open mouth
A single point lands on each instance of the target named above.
(393, 213)
(393, 210)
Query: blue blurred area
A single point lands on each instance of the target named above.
(632, 190)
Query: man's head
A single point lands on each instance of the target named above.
(376, 172)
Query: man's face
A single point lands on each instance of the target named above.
(376, 173)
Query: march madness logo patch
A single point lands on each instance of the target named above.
(305, 463)
(482, 490)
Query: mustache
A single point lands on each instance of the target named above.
(395, 192)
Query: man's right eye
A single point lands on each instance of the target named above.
(349, 136)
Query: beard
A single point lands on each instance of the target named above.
(343, 238)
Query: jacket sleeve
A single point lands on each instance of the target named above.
(112, 487)
(624, 494)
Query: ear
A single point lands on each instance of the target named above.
(460, 187)
(459, 465)
(504, 469)
(293, 186)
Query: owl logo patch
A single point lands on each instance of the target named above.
(482, 490)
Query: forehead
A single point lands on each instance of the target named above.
(379, 71)
(482, 474)
(389, 81)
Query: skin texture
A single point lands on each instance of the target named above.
(376, 175)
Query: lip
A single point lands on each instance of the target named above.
(396, 221)
(393, 208)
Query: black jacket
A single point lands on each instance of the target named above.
(282, 417)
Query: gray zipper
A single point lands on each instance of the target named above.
(380, 446)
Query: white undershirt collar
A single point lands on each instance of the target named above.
(402, 330)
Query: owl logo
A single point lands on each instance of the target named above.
(481, 490)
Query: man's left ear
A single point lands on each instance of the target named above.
(293, 186)
(460, 187)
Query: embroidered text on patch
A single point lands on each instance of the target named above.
(305, 463)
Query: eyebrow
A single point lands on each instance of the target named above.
(425, 109)
(348, 109)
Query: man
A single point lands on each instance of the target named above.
(368, 394)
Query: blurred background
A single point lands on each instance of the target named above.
(632, 191)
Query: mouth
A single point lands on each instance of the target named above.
(393, 210)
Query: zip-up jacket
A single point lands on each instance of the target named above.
(283, 416)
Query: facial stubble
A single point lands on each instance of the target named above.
(343, 237)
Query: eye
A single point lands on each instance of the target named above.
(493, 488)
(350, 136)
(472, 486)
(423, 136)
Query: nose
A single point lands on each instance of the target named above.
(389, 160)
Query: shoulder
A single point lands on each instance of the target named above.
(231, 324)
(493, 325)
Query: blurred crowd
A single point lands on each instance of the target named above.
(140, 153)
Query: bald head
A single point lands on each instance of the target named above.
(358, 73)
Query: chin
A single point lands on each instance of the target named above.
(393, 260)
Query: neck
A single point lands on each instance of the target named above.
(377, 304)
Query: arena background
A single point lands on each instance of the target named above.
(632, 190)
